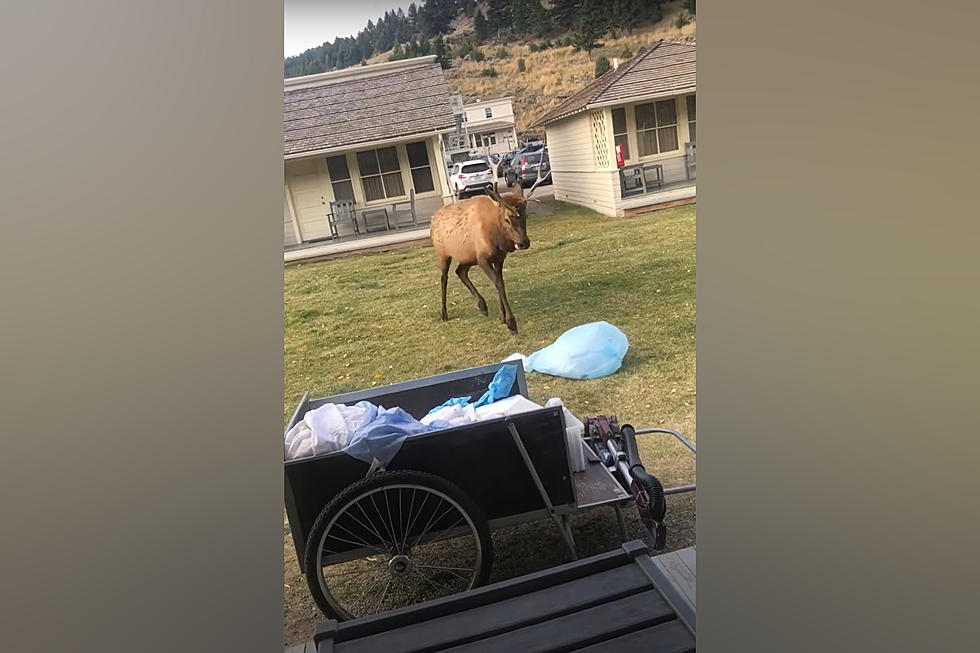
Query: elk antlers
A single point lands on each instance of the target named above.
(537, 183)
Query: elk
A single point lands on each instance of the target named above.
(481, 231)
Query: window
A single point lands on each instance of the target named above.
(489, 139)
(619, 131)
(656, 127)
(418, 162)
(472, 168)
(340, 178)
(489, 112)
(691, 117)
(380, 174)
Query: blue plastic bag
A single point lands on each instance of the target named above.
(383, 437)
(588, 351)
(499, 388)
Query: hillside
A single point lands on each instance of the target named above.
(524, 49)
(554, 73)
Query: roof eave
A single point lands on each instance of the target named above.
(683, 90)
(366, 144)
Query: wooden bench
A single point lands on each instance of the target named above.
(623, 600)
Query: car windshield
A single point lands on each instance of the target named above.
(471, 168)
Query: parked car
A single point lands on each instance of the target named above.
(525, 165)
(505, 160)
(471, 176)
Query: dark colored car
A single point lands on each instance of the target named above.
(505, 160)
(525, 166)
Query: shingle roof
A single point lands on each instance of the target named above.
(363, 105)
(663, 67)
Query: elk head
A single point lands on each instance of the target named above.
(513, 215)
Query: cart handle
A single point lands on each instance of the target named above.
(687, 443)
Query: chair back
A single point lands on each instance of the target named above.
(342, 209)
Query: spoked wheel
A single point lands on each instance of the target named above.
(394, 539)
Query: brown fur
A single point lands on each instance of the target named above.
(481, 231)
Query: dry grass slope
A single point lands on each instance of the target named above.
(552, 74)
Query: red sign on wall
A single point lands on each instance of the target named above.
(620, 159)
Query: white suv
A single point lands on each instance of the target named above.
(471, 176)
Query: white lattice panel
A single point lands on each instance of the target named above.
(600, 140)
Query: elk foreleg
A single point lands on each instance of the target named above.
(498, 266)
(463, 272)
(444, 278)
(497, 278)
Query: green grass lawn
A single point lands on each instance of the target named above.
(374, 319)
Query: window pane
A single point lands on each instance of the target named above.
(645, 116)
(489, 112)
(343, 190)
(373, 190)
(624, 140)
(389, 159)
(418, 155)
(668, 139)
(646, 142)
(337, 168)
(666, 112)
(619, 121)
(422, 180)
(693, 127)
(691, 108)
(367, 163)
(393, 184)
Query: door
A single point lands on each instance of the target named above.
(309, 200)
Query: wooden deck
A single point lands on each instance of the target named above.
(599, 604)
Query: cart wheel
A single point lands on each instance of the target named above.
(395, 539)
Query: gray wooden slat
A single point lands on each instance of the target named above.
(297, 648)
(679, 574)
(310, 647)
(670, 637)
(686, 611)
(507, 615)
(689, 558)
(580, 628)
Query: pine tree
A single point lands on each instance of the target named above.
(589, 26)
(481, 26)
(442, 56)
(564, 12)
(601, 66)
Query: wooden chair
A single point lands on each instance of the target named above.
(404, 212)
(375, 219)
(690, 159)
(342, 212)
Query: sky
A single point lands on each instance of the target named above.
(308, 23)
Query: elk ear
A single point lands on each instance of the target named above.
(517, 191)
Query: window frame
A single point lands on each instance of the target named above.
(691, 122)
(381, 174)
(657, 128)
(488, 112)
(625, 134)
(349, 180)
(428, 166)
